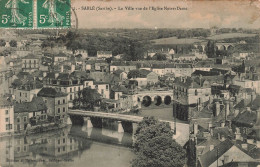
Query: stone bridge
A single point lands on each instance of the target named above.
(219, 45)
(125, 123)
(157, 97)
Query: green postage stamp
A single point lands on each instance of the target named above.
(16, 13)
(53, 14)
(21, 14)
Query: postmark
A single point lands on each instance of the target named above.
(16, 13)
(53, 14)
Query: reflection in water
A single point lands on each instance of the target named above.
(72, 146)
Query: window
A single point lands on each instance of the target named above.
(70, 140)
(58, 101)
(18, 149)
(58, 149)
(63, 148)
(70, 89)
(106, 87)
(63, 101)
(196, 92)
(45, 101)
(6, 112)
(64, 140)
(59, 141)
(6, 119)
(24, 148)
(25, 119)
(64, 109)
(25, 94)
(58, 110)
(18, 120)
(9, 126)
(70, 97)
(102, 91)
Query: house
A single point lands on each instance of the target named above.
(6, 116)
(143, 77)
(104, 54)
(190, 93)
(159, 69)
(56, 103)
(60, 57)
(24, 89)
(66, 83)
(102, 88)
(120, 65)
(184, 69)
(30, 63)
(82, 52)
(122, 75)
(32, 113)
(224, 153)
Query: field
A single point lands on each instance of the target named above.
(175, 41)
(230, 35)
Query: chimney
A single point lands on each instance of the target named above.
(236, 113)
(231, 106)
(195, 128)
(56, 75)
(244, 146)
(222, 124)
(227, 113)
(61, 68)
(209, 126)
(217, 108)
(248, 109)
(238, 134)
(226, 159)
(223, 138)
(44, 74)
(211, 147)
(72, 67)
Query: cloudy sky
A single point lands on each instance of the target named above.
(199, 14)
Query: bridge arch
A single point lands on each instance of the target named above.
(158, 100)
(167, 100)
(221, 47)
(230, 47)
(147, 101)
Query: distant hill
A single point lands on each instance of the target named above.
(175, 41)
(230, 35)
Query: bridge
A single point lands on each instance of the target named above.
(156, 97)
(219, 45)
(126, 123)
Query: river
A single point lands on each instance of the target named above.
(72, 146)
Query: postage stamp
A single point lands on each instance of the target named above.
(16, 13)
(53, 14)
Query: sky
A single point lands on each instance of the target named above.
(199, 14)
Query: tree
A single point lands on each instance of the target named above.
(133, 74)
(2, 42)
(159, 56)
(211, 49)
(90, 98)
(13, 43)
(154, 145)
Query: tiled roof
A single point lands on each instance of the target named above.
(37, 104)
(60, 55)
(50, 92)
(204, 73)
(104, 52)
(218, 151)
(30, 56)
(245, 119)
(5, 102)
(119, 88)
(122, 63)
